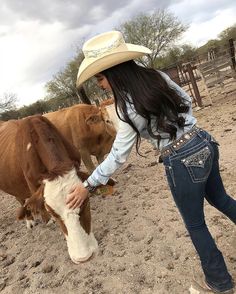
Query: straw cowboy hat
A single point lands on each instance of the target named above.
(104, 51)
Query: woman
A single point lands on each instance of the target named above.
(152, 106)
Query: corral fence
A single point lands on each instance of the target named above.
(186, 76)
(212, 68)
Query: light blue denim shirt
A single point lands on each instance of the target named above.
(126, 138)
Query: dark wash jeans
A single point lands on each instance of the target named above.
(193, 174)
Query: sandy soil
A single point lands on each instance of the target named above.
(143, 244)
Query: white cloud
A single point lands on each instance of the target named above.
(30, 93)
(97, 12)
(200, 33)
(34, 48)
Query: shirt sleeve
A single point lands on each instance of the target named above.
(121, 148)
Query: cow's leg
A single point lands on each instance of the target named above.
(100, 158)
(86, 157)
(23, 213)
(30, 223)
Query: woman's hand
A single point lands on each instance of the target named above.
(77, 196)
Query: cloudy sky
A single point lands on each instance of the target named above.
(38, 38)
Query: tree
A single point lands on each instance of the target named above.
(63, 85)
(9, 114)
(158, 31)
(8, 102)
(229, 33)
(202, 51)
(188, 53)
(39, 107)
(175, 55)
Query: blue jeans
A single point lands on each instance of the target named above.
(193, 174)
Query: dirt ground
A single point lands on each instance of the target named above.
(143, 244)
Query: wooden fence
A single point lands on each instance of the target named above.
(186, 76)
(213, 68)
(217, 66)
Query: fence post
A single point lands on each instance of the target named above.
(194, 83)
(232, 52)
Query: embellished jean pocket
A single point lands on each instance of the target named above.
(199, 165)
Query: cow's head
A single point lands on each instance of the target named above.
(75, 224)
(33, 207)
(102, 118)
(110, 116)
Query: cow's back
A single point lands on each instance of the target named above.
(59, 120)
(11, 176)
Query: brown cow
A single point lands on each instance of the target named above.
(88, 128)
(109, 112)
(39, 167)
(106, 102)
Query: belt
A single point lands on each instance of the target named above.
(177, 144)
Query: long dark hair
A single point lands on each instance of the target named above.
(151, 97)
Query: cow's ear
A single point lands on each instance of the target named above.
(93, 119)
(36, 204)
(21, 213)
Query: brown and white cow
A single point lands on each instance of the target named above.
(39, 167)
(88, 128)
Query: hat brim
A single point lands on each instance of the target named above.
(89, 69)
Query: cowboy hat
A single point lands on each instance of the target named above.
(104, 51)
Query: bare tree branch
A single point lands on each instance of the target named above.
(158, 31)
(8, 102)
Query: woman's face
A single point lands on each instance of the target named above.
(102, 82)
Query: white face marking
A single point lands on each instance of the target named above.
(80, 245)
(30, 223)
(112, 115)
(28, 146)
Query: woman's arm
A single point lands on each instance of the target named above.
(118, 155)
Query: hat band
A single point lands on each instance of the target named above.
(101, 51)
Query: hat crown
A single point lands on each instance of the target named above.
(103, 44)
